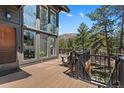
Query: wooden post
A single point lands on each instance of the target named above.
(122, 28)
(121, 71)
(48, 15)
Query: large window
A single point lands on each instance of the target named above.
(43, 18)
(52, 46)
(29, 44)
(29, 14)
(53, 21)
(43, 46)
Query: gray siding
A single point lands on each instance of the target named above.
(14, 23)
(13, 10)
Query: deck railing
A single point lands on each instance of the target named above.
(95, 68)
(117, 76)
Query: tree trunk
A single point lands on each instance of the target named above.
(107, 45)
(121, 34)
(83, 45)
(82, 41)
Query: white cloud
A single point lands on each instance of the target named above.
(69, 15)
(66, 14)
(81, 14)
(63, 12)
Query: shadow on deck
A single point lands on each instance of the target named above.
(73, 75)
(50, 74)
(17, 74)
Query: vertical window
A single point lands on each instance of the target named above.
(52, 46)
(43, 18)
(43, 46)
(29, 14)
(53, 21)
(29, 44)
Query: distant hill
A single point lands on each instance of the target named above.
(68, 35)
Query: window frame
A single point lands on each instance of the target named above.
(46, 36)
(54, 46)
(55, 25)
(29, 26)
(35, 49)
(38, 32)
(46, 7)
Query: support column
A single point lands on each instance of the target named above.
(20, 40)
(48, 46)
(37, 45)
(57, 47)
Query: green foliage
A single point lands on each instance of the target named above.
(42, 53)
(104, 20)
(83, 36)
(62, 43)
(98, 42)
(104, 35)
(66, 43)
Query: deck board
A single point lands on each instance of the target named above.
(43, 75)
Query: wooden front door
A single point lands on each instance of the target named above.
(7, 44)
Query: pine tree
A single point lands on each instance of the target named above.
(83, 36)
(102, 18)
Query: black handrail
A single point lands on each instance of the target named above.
(77, 64)
(116, 79)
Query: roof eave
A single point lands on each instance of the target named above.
(64, 8)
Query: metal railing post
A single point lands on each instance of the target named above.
(121, 71)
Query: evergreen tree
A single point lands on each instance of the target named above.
(103, 18)
(83, 36)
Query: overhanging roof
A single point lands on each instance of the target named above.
(63, 8)
(60, 7)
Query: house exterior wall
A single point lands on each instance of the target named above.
(44, 33)
(12, 10)
(17, 22)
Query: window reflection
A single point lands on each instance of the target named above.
(30, 15)
(29, 44)
(53, 22)
(43, 46)
(52, 46)
(43, 18)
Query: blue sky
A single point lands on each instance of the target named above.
(69, 22)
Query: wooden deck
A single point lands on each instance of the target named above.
(43, 75)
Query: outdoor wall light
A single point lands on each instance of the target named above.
(8, 16)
